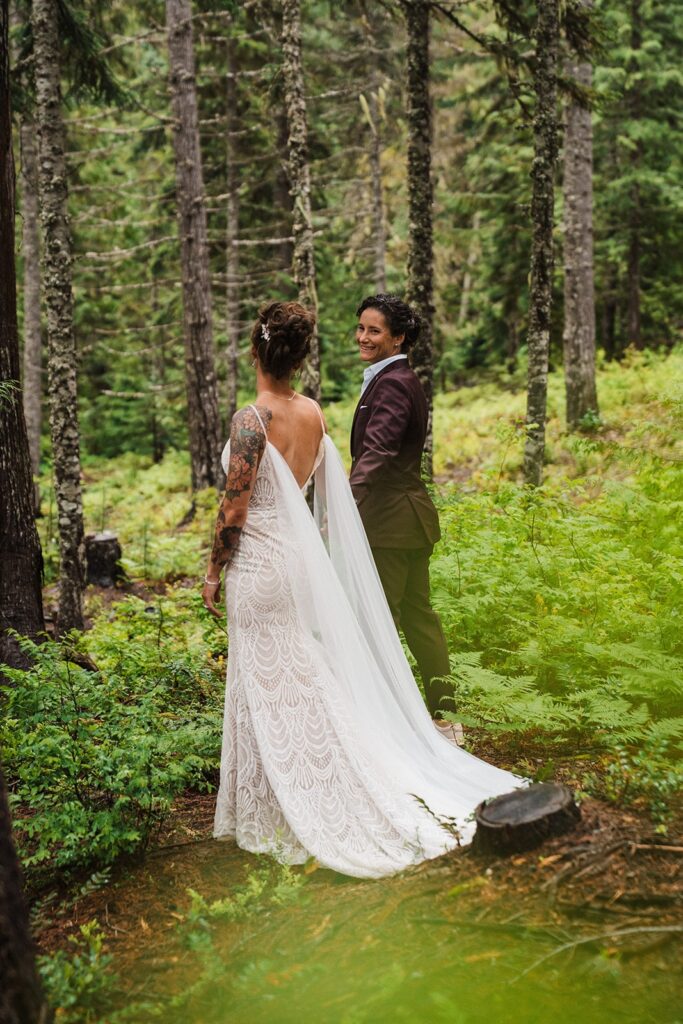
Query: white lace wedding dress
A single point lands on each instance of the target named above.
(328, 749)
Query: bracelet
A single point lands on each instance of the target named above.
(212, 583)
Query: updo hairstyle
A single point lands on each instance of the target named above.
(400, 317)
(281, 337)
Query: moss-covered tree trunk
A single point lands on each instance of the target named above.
(21, 562)
(30, 250)
(200, 367)
(32, 377)
(542, 214)
(300, 180)
(232, 214)
(62, 359)
(420, 198)
(579, 294)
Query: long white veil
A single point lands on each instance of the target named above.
(341, 605)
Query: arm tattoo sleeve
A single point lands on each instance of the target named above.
(247, 443)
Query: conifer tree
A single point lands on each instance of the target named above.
(542, 217)
(62, 360)
(420, 197)
(21, 562)
(200, 369)
(32, 376)
(579, 300)
(300, 180)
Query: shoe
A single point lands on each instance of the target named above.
(453, 731)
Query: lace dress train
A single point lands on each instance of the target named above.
(300, 773)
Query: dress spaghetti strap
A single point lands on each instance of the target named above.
(259, 419)
(319, 411)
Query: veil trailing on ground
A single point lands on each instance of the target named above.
(342, 608)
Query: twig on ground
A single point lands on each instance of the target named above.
(615, 934)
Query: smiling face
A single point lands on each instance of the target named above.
(375, 340)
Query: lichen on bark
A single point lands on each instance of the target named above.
(62, 358)
(542, 216)
(300, 181)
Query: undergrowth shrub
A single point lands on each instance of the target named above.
(563, 606)
(95, 758)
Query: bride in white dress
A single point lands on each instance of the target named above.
(328, 749)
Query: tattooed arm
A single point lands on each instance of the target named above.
(247, 443)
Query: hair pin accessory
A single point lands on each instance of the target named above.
(265, 333)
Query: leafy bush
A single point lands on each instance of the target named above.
(79, 983)
(646, 777)
(564, 604)
(95, 759)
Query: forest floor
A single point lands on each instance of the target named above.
(611, 873)
(563, 620)
(609, 891)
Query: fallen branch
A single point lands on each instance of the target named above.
(655, 847)
(616, 934)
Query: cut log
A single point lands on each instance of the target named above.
(523, 819)
(102, 554)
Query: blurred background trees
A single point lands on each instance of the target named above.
(124, 193)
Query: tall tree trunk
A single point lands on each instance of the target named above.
(232, 286)
(33, 370)
(609, 313)
(633, 328)
(32, 378)
(200, 369)
(21, 996)
(62, 360)
(420, 198)
(542, 213)
(283, 190)
(579, 293)
(21, 562)
(472, 256)
(300, 181)
(633, 325)
(379, 239)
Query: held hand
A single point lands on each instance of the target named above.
(210, 594)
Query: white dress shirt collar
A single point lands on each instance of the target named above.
(371, 371)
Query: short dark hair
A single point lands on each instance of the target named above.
(282, 337)
(401, 318)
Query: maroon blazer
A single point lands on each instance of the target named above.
(387, 440)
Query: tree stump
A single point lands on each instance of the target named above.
(523, 819)
(102, 555)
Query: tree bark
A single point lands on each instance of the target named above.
(472, 257)
(542, 213)
(232, 287)
(420, 199)
(300, 181)
(523, 819)
(283, 190)
(30, 247)
(379, 239)
(62, 361)
(21, 562)
(579, 294)
(21, 996)
(633, 324)
(200, 368)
